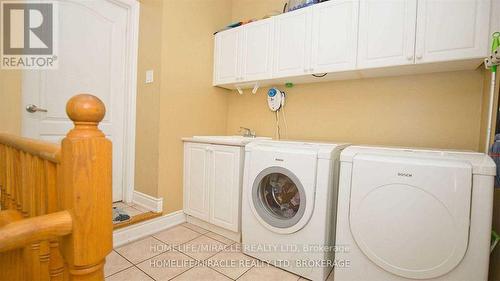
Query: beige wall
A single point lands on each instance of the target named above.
(189, 104)
(433, 110)
(10, 101)
(148, 97)
(242, 10)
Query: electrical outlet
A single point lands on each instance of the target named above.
(149, 76)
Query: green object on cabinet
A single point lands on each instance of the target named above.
(495, 43)
(495, 238)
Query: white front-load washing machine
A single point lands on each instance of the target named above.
(289, 203)
(408, 214)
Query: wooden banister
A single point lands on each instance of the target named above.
(86, 177)
(55, 201)
(9, 216)
(37, 148)
(22, 232)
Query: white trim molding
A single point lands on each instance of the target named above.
(149, 202)
(140, 230)
(133, 8)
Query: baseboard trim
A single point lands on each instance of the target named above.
(149, 202)
(140, 230)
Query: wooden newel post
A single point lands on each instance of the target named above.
(86, 157)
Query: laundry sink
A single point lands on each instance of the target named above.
(238, 140)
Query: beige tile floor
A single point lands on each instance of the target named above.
(188, 252)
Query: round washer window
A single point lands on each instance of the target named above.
(278, 197)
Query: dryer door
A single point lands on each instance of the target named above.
(410, 216)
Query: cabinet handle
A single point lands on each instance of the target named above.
(419, 57)
(409, 57)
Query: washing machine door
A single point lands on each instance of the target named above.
(281, 196)
(410, 216)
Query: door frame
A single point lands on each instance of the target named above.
(130, 95)
(133, 10)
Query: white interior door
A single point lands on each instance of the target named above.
(94, 41)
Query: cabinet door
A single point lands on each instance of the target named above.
(334, 39)
(452, 30)
(386, 32)
(292, 43)
(225, 186)
(196, 179)
(257, 58)
(227, 56)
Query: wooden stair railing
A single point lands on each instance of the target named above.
(55, 201)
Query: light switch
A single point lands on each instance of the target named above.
(149, 76)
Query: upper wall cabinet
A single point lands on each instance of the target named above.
(334, 36)
(227, 56)
(244, 54)
(386, 32)
(451, 30)
(293, 31)
(316, 40)
(257, 58)
(354, 38)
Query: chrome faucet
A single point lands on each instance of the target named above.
(247, 133)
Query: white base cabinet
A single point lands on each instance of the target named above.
(196, 175)
(212, 183)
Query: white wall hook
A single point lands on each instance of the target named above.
(255, 88)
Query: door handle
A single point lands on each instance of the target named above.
(31, 108)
